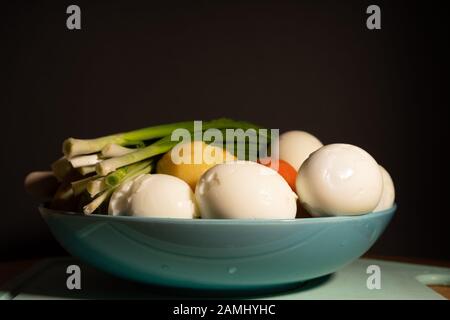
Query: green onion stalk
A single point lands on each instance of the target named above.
(114, 150)
(110, 165)
(86, 170)
(103, 196)
(96, 186)
(115, 178)
(73, 147)
(80, 185)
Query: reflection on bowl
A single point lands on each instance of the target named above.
(217, 254)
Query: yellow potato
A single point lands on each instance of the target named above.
(189, 161)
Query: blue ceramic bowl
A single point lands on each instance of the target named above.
(217, 254)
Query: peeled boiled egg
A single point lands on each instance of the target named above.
(244, 190)
(339, 179)
(296, 146)
(154, 195)
(388, 195)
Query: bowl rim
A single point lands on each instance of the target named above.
(329, 219)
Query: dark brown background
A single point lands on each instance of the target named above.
(310, 65)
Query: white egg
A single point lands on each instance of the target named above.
(244, 190)
(339, 179)
(388, 195)
(154, 195)
(296, 146)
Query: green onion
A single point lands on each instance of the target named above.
(61, 168)
(92, 206)
(73, 147)
(114, 150)
(116, 177)
(82, 161)
(107, 166)
(86, 170)
(96, 186)
(80, 185)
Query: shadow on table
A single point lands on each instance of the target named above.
(49, 282)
